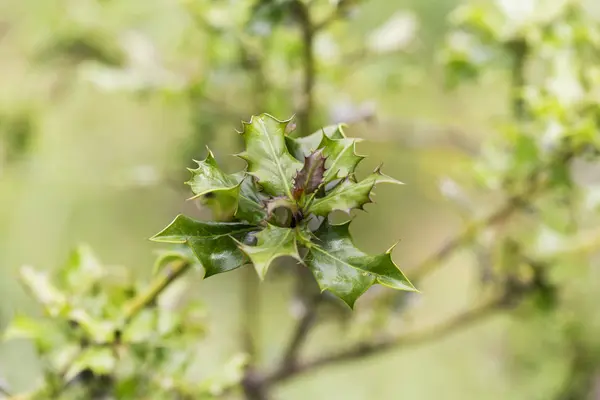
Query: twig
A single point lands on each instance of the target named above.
(433, 262)
(167, 275)
(519, 51)
(305, 324)
(331, 18)
(363, 350)
(251, 311)
(536, 182)
(4, 390)
(302, 14)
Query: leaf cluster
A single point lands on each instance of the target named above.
(91, 346)
(280, 206)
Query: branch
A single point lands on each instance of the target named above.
(302, 14)
(519, 51)
(305, 324)
(3, 390)
(583, 244)
(167, 275)
(250, 297)
(433, 262)
(536, 182)
(366, 349)
(334, 16)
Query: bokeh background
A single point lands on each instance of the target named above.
(103, 103)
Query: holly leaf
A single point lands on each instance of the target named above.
(267, 155)
(328, 262)
(40, 286)
(344, 270)
(251, 202)
(335, 131)
(99, 360)
(219, 190)
(310, 177)
(98, 331)
(272, 242)
(81, 271)
(165, 257)
(303, 146)
(349, 194)
(213, 243)
(41, 331)
(341, 157)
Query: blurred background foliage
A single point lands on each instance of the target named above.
(103, 103)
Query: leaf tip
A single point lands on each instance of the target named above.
(392, 247)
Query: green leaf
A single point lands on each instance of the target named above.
(349, 194)
(273, 242)
(23, 327)
(218, 190)
(99, 360)
(346, 271)
(231, 375)
(40, 331)
(267, 155)
(301, 147)
(45, 333)
(82, 271)
(213, 243)
(335, 131)
(168, 256)
(310, 177)
(60, 357)
(39, 285)
(341, 157)
(251, 202)
(333, 273)
(98, 331)
(141, 328)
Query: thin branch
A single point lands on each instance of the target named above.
(433, 262)
(250, 306)
(303, 328)
(520, 52)
(167, 275)
(302, 14)
(583, 244)
(536, 182)
(334, 16)
(4, 391)
(367, 349)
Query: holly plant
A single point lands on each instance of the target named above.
(279, 207)
(106, 335)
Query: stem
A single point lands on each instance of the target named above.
(519, 51)
(303, 328)
(4, 391)
(308, 31)
(168, 274)
(434, 261)
(251, 311)
(334, 16)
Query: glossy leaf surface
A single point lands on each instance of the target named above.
(349, 194)
(213, 243)
(272, 242)
(340, 267)
(267, 155)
